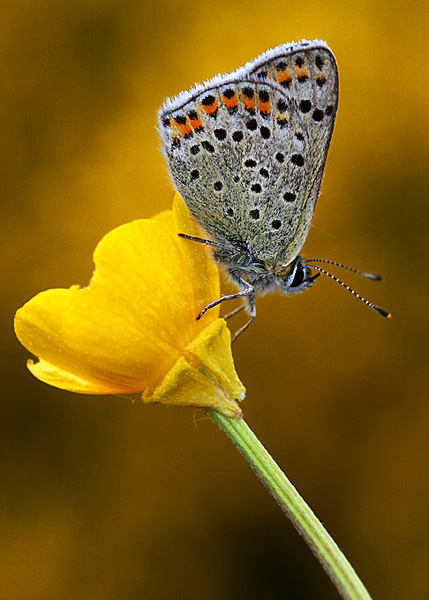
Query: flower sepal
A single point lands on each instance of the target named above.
(204, 376)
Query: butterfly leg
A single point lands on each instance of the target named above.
(249, 294)
(251, 309)
(185, 236)
(234, 312)
(248, 290)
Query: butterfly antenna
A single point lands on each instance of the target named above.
(331, 262)
(380, 311)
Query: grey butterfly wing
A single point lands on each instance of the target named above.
(219, 147)
(246, 158)
(308, 74)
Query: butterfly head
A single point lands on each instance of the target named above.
(297, 277)
(292, 279)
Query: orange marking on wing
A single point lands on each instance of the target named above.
(174, 128)
(301, 71)
(282, 118)
(196, 123)
(264, 107)
(284, 75)
(211, 108)
(184, 129)
(249, 103)
(230, 102)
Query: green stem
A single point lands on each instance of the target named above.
(304, 520)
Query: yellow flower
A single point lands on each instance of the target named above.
(134, 328)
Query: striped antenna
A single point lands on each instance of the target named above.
(377, 309)
(331, 262)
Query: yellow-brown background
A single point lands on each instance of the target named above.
(104, 499)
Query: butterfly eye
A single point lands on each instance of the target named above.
(299, 275)
(299, 278)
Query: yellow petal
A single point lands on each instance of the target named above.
(136, 321)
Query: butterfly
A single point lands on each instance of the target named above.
(247, 151)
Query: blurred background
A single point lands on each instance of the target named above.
(104, 499)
